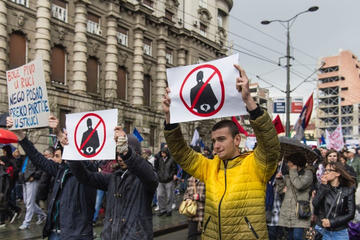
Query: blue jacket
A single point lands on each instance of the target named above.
(128, 199)
(71, 202)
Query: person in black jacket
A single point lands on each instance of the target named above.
(130, 190)
(71, 206)
(334, 202)
(165, 167)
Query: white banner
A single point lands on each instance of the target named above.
(28, 99)
(205, 91)
(91, 135)
(335, 140)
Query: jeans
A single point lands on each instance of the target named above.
(295, 233)
(30, 191)
(54, 236)
(166, 196)
(99, 198)
(333, 235)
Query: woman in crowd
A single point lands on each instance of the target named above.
(334, 202)
(297, 186)
(195, 192)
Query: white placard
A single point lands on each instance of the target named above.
(91, 135)
(205, 91)
(27, 93)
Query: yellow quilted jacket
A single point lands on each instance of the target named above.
(234, 192)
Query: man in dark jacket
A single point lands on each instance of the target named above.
(130, 190)
(71, 206)
(165, 167)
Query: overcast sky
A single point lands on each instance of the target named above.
(313, 35)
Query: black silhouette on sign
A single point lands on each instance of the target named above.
(207, 99)
(89, 148)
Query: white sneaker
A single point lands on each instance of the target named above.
(157, 208)
(2, 225)
(173, 206)
(23, 227)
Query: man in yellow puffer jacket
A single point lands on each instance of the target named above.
(235, 183)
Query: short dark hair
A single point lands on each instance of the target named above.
(226, 124)
(297, 159)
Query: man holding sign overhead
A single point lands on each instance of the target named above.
(235, 183)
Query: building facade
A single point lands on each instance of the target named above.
(110, 54)
(338, 95)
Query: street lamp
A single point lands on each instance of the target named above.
(287, 24)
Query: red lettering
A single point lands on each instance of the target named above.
(29, 69)
(13, 74)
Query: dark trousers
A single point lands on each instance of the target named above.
(275, 232)
(193, 233)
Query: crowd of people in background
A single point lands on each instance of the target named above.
(238, 195)
(330, 184)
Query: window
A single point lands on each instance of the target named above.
(18, 50)
(127, 127)
(169, 56)
(147, 47)
(203, 29)
(93, 24)
(329, 79)
(59, 10)
(203, 3)
(58, 65)
(344, 88)
(122, 36)
(147, 90)
(62, 120)
(220, 18)
(252, 90)
(92, 75)
(329, 69)
(122, 83)
(21, 2)
(169, 15)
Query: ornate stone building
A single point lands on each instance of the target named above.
(110, 54)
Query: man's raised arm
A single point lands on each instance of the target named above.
(267, 151)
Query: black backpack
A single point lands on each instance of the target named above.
(4, 188)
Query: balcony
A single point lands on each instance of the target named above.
(59, 12)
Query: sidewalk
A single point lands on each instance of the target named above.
(162, 225)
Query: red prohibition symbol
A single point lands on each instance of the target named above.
(216, 72)
(101, 122)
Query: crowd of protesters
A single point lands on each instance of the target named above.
(251, 195)
(329, 184)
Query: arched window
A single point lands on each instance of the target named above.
(58, 65)
(18, 51)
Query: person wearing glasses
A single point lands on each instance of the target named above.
(334, 202)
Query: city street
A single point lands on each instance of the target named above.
(162, 225)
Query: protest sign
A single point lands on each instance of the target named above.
(205, 91)
(28, 99)
(91, 135)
